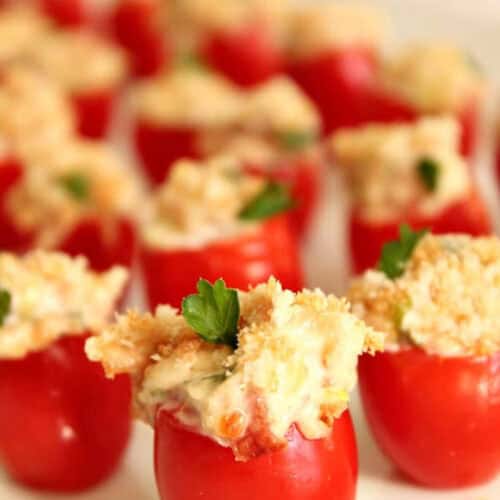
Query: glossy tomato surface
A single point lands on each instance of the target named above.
(94, 111)
(69, 13)
(247, 56)
(469, 216)
(11, 238)
(103, 250)
(135, 25)
(338, 82)
(436, 418)
(171, 275)
(303, 176)
(159, 147)
(190, 466)
(63, 425)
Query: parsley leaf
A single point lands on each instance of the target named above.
(396, 254)
(5, 301)
(213, 312)
(273, 199)
(191, 61)
(295, 141)
(77, 185)
(429, 171)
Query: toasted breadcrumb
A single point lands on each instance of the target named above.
(35, 114)
(381, 163)
(316, 29)
(188, 98)
(103, 65)
(295, 363)
(447, 301)
(52, 296)
(41, 204)
(434, 78)
(199, 204)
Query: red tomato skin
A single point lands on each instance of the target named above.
(247, 260)
(89, 239)
(385, 108)
(189, 465)
(67, 13)
(247, 56)
(159, 147)
(338, 82)
(63, 426)
(94, 111)
(469, 216)
(11, 239)
(134, 24)
(436, 418)
(303, 176)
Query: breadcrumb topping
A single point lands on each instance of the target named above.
(21, 27)
(199, 203)
(446, 302)
(315, 29)
(279, 106)
(435, 78)
(381, 163)
(35, 114)
(295, 363)
(59, 52)
(52, 296)
(188, 98)
(42, 203)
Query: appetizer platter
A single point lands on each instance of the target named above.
(249, 250)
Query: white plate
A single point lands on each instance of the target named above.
(475, 25)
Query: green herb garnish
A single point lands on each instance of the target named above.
(273, 199)
(5, 302)
(295, 141)
(396, 254)
(191, 61)
(429, 171)
(213, 312)
(77, 185)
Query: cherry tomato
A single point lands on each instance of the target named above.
(303, 176)
(66, 12)
(338, 82)
(367, 238)
(94, 111)
(63, 425)
(189, 465)
(247, 56)
(103, 250)
(436, 418)
(11, 239)
(159, 147)
(381, 107)
(171, 275)
(135, 24)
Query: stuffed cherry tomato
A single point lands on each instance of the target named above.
(136, 27)
(430, 80)
(93, 87)
(173, 114)
(433, 399)
(243, 355)
(84, 210)
(336, 66)
(213, 220)
(410, 174)
(63, 426)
